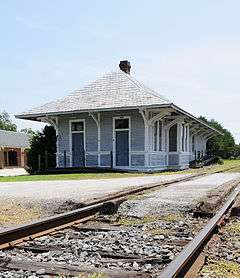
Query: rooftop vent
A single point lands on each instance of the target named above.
(125, 66)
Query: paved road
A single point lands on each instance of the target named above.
(76, 190)
(176, 197)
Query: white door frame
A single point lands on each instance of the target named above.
(129, 140)
(70, 138)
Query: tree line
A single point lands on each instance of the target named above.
(221, 145)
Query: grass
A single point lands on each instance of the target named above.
(159, 231)
(222, 269)
(94, 275)
(139, 196)
(233, 228)
(137, 221)
(84, 176)
(172, 217)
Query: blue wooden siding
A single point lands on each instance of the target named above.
(106, 132)
(137, 160)
(158, 160)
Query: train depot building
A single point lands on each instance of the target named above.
(116, 121)
(13, 147)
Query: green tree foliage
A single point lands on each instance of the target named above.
(6, 123)
(237, 151)
(31, 133)
(43, 143)
(221, 145)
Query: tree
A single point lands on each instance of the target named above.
(221, 145)
(6, 123)
(237, 151)
(43, 143)
(31, 133)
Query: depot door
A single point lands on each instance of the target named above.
(122, 142)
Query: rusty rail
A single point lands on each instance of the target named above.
(183, 263)
(12, 236)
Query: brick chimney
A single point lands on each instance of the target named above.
(125, 66)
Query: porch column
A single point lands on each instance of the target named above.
(179, 137)
(57, 143)
(22, 157)
(7, 158)
(54, 122)
(1, 158)
(188, 139)
(146, 136)
(97, 121)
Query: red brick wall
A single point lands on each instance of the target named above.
(21, 156)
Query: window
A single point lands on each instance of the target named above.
(173, 138)
(157, 136)
(121, 123)
(77, 126)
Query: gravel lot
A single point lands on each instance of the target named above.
(49, 197)
(76, 190)
(176, 197)
(44, 198)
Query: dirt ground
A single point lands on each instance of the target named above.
(14, 213)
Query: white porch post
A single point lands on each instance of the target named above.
(99, 141)
(179, 136)
(22, 157)
(54, 122)
(97, 121)
(146, 135)
(57, 135)
(188, 139)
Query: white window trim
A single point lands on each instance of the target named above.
(114, 140)
(70, 138)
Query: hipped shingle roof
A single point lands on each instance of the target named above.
(114, 90)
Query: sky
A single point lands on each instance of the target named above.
(189, 51)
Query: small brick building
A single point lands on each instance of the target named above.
(13, 146)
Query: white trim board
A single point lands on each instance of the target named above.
(129, 140)
(70, 138)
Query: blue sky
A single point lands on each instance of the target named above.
(187, 50)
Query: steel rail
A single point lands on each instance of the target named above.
(24, 232)
(10, 235)
(179, 267)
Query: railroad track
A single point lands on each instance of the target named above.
(48, 236)
(189, 261)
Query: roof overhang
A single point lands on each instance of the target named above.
(40, 116)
